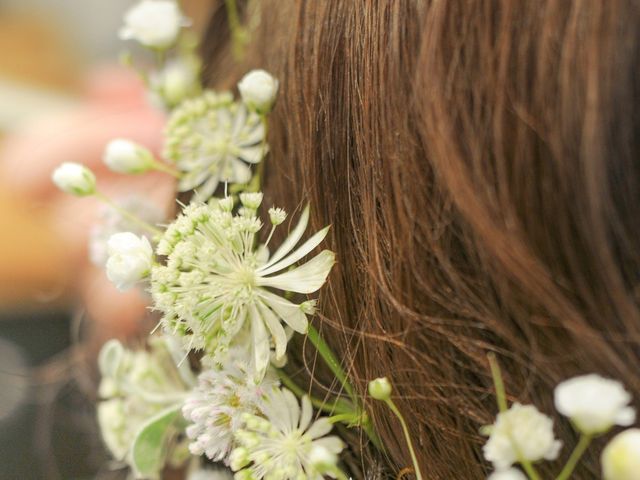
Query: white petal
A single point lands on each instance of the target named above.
(292, 407)
(306, 278)
(307, 412)
(261, 348)
(332, 443)
(290, 313)
(241, 172)
(292, 240)
(276, 329)
(303, 250)
(320, 428)
(626, 417)
(204, 192)
(253, 154)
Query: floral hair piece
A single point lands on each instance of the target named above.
(209, 386)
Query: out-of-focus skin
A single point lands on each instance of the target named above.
(114, 105)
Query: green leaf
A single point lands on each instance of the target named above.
(150, 444)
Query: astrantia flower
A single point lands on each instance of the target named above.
(281, 444)
(216, 283)
(621, 457)
(594, 404)
(215, 407)
(154, 23)
(521, 430)
(210, 138)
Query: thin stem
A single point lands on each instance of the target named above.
(498, 382)
(338, 407)
(237, 32)
(407, 437)
(576, 455)
(347, 418)
(529, 470)
(163, 167)
(331, 361)
(128, 215)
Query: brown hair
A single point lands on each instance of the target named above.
(478, 161)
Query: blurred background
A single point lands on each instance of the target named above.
(63, 95)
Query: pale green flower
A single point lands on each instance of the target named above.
(211, 139)
(216, 285)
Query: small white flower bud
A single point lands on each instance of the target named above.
(125, 156)
(251, 200)
(594, 404)
(239, 458)
(154, 23)
(510, 474)
(621, 457)
(277, 215)
(258, 89)
(380, 388)
(130, 259)
(226, 204)
(75, 179)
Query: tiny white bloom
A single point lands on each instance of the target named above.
(280, 445)
(277, 216)
(521, 430)
(258, 89)
(380, 388)
(125, 156)
(509, 474)
(75, 179)
(216, 285)
(154, 23)
(211, 139)
(621, 456)
(130, 259)
(112, 221)
(594, 404)
(179, 80)
(215, 407)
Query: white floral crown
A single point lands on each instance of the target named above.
(224, 294)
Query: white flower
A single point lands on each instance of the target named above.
(510, 474)
(215, 407)
(154, 23)
(209, 138)
(258, 90)
(135, 386)
(130, 259)
(75, 179)
(280, 445)
(521, 430)
(125, 156)
(216, 283)
(180, 79)
(621, 456)
(594, 404)
(112, 221)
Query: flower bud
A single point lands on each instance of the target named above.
(125, 156)
(75, 179)
(239, 458)
(154, 23)
(258, 90)
(277, 215)
(130, 259)
(621, 457)
(380, 389)
(251, 200)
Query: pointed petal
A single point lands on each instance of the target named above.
(292, 240)
(290, 313)
(332, 443)
(241, 172)
(307, 412)
(306, 278)
(206, 190)
(320, 428)
(303, 250)
(276, 329)
(261, 347)
(253, 154)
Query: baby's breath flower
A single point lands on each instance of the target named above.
(215, 407)
(216, 284)
(521, 433)
(621, 457)
(210, 138)
(258, 89)
(277, 215)
(594, 404)
(130, 259)
(154, 23)
(280, 445)
(510, 474)
(74, 179)
(125, 156)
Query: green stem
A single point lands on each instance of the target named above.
(529, 469)
(128, 215)
(407, 437)
(331, 361)
(498, 382)
(576, 455)
(163, 167)
(237, 32)
(349, 419)
(337, 407)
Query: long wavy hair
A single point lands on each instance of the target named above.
(479, 164)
